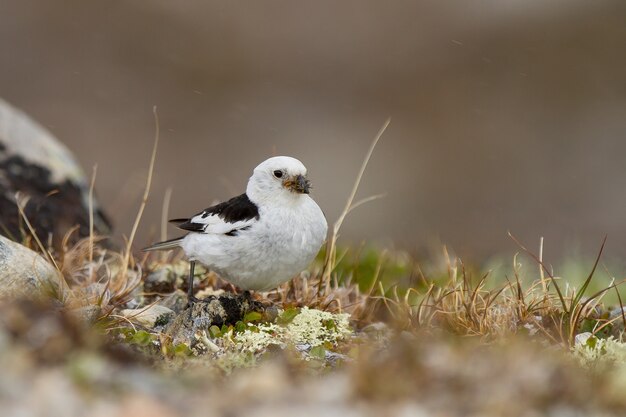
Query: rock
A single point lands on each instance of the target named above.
(617, 317)
(617, 312)
(581, 338)
(329, 357)
(217, 311)
(35, 163)
(23, 272)
(150, 316)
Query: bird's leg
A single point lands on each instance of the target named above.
(190, 297)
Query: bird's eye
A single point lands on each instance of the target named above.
(278, 173)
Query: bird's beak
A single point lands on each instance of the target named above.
(298, 184)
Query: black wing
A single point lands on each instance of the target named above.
(222, 217)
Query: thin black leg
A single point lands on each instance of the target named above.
(190, 298)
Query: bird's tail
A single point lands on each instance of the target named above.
(165, 245)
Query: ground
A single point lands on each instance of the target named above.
(372, 335)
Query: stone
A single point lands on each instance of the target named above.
(617, 318)
(581, 338)
(617, 312)
(40, 167)
(23, 272)
(150, 316)
(225, 309)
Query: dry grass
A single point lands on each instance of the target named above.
(458, 304)
(476, 307)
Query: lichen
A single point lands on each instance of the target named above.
(316, 327)
(308, 327)
(258, 338)
(599, 354)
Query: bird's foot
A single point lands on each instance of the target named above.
(193, 300)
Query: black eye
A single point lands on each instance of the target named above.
(278, 173)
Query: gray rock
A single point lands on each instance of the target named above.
(150, 316)
(35, 163)
(581, 338)
(617, 312)
(24, 273)
(331, 358)
(618, 321)
(224, 309)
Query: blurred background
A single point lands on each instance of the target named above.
(506, 114)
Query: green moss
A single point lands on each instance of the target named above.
(163, 319)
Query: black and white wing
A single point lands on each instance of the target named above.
(224, 218)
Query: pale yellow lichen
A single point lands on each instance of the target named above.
(316, 327)
(599, 354)
(309, 327)
(256, 341)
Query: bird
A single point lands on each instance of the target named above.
(261, 238)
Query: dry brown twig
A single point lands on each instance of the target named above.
(144, 199)
(331, 245)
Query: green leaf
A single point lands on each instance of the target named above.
(592, 342)
(142, 338)
(215, 332)
(252, 316)
(329, 324)
(182, 350)
(287, 316)
(318, 352)
(127, 333)
(240, 326)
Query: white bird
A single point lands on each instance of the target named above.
(258, 239)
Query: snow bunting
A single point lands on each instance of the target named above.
(258, 239)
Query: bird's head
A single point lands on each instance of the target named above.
(280, 176)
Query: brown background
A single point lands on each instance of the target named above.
(506, 114)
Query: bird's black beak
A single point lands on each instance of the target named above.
(298, 184)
